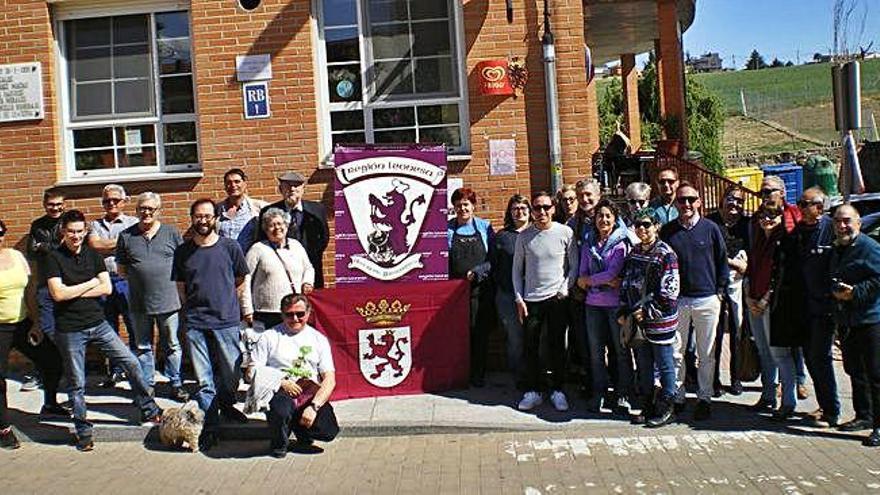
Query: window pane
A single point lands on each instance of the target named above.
(346, 121)
(435, 75)
(449, 136)
(177, 95)
(344, 83)
(92, 99)
(394, 117)
(342, 45)
(180, 132)
(428, 9)
(431, 38)
(388, 10)
(135, 135)
(93, 160)
(130, 29)
(91, 65)
(391, 41)
(141, 156)
(393, 78)
(93, 138)
(180, 154)
(340, 12)
(91, 32)
(349, 138)
(133, 96)
(172, 25)
(131, 61)
(175, 56)
(401, 136)
(438, 114)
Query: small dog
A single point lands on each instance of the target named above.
(182, 425)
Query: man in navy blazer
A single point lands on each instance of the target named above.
(308, 221)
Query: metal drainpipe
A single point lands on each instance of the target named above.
(552, 97)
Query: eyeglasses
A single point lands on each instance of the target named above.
(769, 191)
(543, 207)
(645, 224)
(147, 209)
(520, 208)
(736, 201)
(55, 205)
(768, 217)
(569, 200)
(803, 203)
(682, 200)
(636, 202)
(113, 201)
(667, 181)
(203, 218)
(295, 315)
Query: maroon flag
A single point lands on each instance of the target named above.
(396, 338)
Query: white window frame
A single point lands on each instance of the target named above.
(86, 9)
(325, 107)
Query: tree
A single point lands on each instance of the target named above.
(789, 63)
(756, 61)
(776, 63)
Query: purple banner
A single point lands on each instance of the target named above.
(390, 214)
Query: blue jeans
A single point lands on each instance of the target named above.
(46, 307)
(786, 364)
(513, 330)
(820, 363)
(660, 356)
(761, 331)
(215, 352)
(142, 329)
(116, 305)
(604, 331)
(72, 346)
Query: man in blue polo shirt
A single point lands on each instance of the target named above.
(210, 272)
(702, 261)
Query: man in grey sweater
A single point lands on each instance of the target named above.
(540, 284)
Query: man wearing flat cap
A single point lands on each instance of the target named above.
(308, 220)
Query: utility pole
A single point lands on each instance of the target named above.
(553, 135)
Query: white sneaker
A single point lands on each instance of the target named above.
(559, 401)
(530, 400)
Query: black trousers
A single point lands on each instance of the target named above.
(482, 313)
(45, 356)
(551, 311)
(284, 418)
(861, 361)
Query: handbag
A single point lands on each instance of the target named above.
(748, 363)
(632, 333)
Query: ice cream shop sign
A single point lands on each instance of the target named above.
(494, 78)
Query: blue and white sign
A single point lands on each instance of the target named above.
(256, 100)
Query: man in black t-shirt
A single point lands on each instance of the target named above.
(77, 278)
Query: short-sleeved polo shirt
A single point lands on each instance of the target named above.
(72, 268)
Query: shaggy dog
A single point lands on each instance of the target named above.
(182, 425)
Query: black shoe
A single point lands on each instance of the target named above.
(857, 424)
(478, 382)
(8, 440)
(783, 414)
(279, 453)
(113, 379)
(208, 440)
(736, 388)
(648, 411)
(233, 415)
(703, 410)
(178, 394)
(665, 415)
(873, 439)
(54, 410)
(718, 392)
(679, 407)
(764, 405)
(306, 448)
(85, 444)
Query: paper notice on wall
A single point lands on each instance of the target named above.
(502, 156)
(133, 143)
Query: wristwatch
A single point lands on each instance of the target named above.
(315, 407)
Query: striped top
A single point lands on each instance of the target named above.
(658, 269)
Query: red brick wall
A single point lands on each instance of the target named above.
(30, 152)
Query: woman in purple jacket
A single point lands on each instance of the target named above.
(602, 257)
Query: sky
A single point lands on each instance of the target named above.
(786, 29)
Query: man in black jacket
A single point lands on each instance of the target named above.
(308, 221)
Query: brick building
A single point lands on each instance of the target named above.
(145, 93)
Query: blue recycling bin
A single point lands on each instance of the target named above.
(792, 175)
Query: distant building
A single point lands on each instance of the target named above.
(709, 62)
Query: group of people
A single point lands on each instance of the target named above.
(574, 277)
(639, 295)
(241, 264)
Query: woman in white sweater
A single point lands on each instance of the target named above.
(278, 266)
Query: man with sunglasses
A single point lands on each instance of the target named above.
(702, 260)
(734, 225)
(103, 234)
(664, 204)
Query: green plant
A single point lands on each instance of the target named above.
(298, 368)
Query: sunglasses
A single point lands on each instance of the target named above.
(543, 207)
(569, 200)
(683, 200)
(298, 315)
(520, 208)
(644, 224)
(147, 209)
(768, 192)
(736, 201)
(667, 181)
(636, 202)
(111, 201)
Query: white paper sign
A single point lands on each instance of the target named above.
(21, 92)
(253, 67)
(502, 157)
(133, 142)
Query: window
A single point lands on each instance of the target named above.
(130, 106)
(391, 72)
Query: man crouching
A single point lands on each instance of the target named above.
(301, 391)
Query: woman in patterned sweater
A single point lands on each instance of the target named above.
(649, 292)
